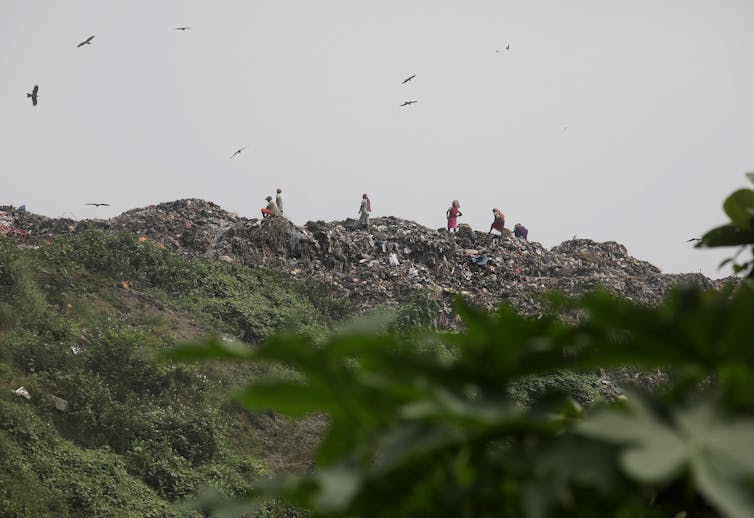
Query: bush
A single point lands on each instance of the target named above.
(583, 388)
(425, 425)
(168, 473)
(22, 303)
(50, 477)
(124, 407)
(419, 311)
(39, 354)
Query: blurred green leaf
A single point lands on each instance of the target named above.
(338, 485)
(719, 451)
(714, 435)
(738, 268)
(727, 235)
(286, 397)
(655, 452)
(211, 348)
(739, 207)
(563, 463)
(724, 488)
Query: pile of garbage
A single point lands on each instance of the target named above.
(388, 263)
(7, 228)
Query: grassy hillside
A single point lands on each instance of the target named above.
(81, 319)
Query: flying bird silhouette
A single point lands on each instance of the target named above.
(238, 152)
(33, 95)
(508, 47)
(87, 41)
(98, 204)
(693, 239)
(409, 103)
(182, 28)
(408, 79)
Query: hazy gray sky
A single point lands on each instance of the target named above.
(657, 98)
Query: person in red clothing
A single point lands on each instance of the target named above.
(452, 214)
(499, 222)
(271, 209)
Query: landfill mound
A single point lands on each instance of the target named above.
(386, 264)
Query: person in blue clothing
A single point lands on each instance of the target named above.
(521, 231)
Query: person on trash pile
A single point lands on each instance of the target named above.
(271, 209)
(279, 199)
(521, 231)
(364, 209)
(452, 215)
(498, 223)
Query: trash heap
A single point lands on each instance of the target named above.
(7, 220)
(388, 263)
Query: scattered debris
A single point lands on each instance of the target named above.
(388, 263)
(21, 391)
(59, 403)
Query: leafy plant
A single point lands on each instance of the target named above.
(425, 425)
(153, 431)
(739, 207)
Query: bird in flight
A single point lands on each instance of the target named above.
(98, 204)
(408, 79)
(409, 103)
(238, 152)
(693, 239)
(508, 47)
(182, 28)
(87, 41)
(33, 95)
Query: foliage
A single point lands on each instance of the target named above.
(425, 425)
(739, 207)
(22, 302)
(250, 303)
(419, 310)
(42, 475)
(138, 434)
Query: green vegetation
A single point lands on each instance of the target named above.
(82, 318)
(250, 303)
(399, 418)
(425, 424)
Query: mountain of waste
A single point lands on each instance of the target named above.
(388, 263)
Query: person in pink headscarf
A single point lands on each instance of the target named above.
(452, 215)
(499, 222)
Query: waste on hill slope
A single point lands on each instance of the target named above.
(388, 263)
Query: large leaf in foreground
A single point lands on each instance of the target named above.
(739, 207)
(211, 348)
(719, 452)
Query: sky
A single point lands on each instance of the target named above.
(613, 120)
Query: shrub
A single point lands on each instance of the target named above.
(420, 310)
(168, 473)
(36, 353)
(425, 425)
